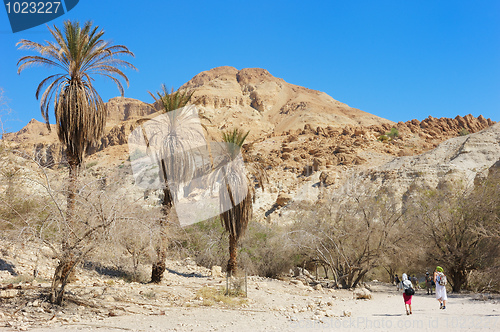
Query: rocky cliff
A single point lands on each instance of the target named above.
(253, 98)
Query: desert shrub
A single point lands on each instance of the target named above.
(383, 138)
(211, 296)
(463, 132)
(485, 280)
(461, 229)
(267, 250)
(393, 133)
(351, 234)
(205, 242)
(264, 250)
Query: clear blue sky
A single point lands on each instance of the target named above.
(396, 59)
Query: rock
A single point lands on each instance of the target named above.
(318, 287)
(108, 298)
(8, 293)
(189, 262)
(121, 109)
(5, 275)
(283, 199)
(319, 313)
(346, 314)
(216, 271)
(327, 178)
(297, 283)
(113, 313)
(318, 164)
(362, 293)
(329, 313)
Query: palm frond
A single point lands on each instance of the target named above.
(172, 100)
(78, 52)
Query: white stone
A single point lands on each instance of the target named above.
(216, 271)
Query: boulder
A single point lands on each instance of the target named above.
(362, 294)
(283, 199)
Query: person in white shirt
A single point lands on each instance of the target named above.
(408, 292)
(440, 281)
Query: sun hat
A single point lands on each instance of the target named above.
(439, 269)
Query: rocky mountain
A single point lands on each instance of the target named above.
(303, 137)
(253, 98)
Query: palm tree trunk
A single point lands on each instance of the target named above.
(159, 266)
(233, 252)
(70, 211)
(65, 267)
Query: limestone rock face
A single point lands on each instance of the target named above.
(444, 127)
(460, 159)
(121, 109)
(254, 99)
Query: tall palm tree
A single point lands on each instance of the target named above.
(172, 138)
(77, 53)
(237, 190)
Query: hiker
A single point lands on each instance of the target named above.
(408, 292)
(414, 281)
(396, 280)
(440, 281)
(428, 283)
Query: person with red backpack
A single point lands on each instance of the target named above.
(440, 280)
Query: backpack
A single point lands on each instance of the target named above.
(409, 291)
(408, 288)
(442, 279)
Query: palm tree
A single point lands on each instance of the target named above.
(77, 53)
(236, 191)
(172, 138)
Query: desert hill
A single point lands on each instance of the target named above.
(303, 137)
(253, 98)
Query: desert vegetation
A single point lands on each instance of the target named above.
(348, 238)
(76, 52)
(89, 216)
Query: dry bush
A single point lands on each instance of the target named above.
(99, 206)
(212, 296)
(486, 280)
(126, 249)
(264, 250)
(267, 250)
(460, 228)
(350, 234)
(205, 242)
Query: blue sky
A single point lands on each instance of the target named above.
(396, 59)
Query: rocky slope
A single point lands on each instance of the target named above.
(299, 135)
(460, 159)
(253, 98)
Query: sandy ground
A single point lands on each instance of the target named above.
(384, 313)
(272, 305)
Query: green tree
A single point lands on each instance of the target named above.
(77, 53)
(462, 227)
(173, 135)
(236, 191)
